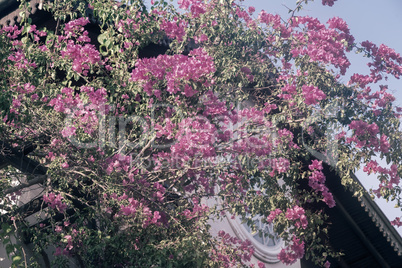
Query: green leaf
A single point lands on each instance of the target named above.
(16, 259)
(9, 249)
(102, 38)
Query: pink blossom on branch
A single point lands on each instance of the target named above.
(312, 94)
(326, 45)
(279, 165)
(366, 135)
(55, 201)
(243, 250)
(297, 216)
(197, 7)
(210, 141)
(293, 252)
(68, 131)
(317, 180)
(397, 222)
(82, 56)
(21, 61)
(174, 29)
(74, 27)
(328, 2)
(177, 70)
(315, 164)
(385, 60)
(273, 215)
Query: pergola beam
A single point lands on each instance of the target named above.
(18, 159)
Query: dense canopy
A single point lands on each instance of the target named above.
(126, 122)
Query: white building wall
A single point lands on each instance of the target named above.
(223, 224)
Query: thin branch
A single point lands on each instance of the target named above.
(143, 149)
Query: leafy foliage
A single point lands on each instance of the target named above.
(249, 111)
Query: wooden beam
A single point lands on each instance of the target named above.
(17, 159)
(360, 234)
(36, 180)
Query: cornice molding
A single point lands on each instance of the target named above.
(380, 220)
(13, 16)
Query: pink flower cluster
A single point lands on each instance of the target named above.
(85, 113)
(64, 104)
(197, 7)
(385, 60)
(195, 137)
(137, 209)
(243, 250)
(160, 192)
(12, 31)
(362, 128)
(288, 91)
(365, 134)
(328, 2)
(327, 45)
(55, 201)
(248, 73)
(214, 106)
(275, 22)
(118, 163)
(317, 180)
(128, 26)
(25, 93)
(75, 28)
(361, 80)
(74, 239)
(177, 70)
(174, 29)
(293, 252)
(273, 214)
(371, 167)
(312, 94)
(253, 135)
(382, 98)
(20, 61)
(198, 136)
(133, 27)
(27, 88)
(377, 99)
(297, 215)
(279, 165)
(201, 38)
(166, 129)
(246, 16)
(391, 173)
(197, 210)
(286, 139)
(83, 56)
(397, 222)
